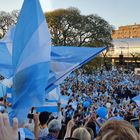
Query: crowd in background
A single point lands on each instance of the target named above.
(112, 89)
(100, 107)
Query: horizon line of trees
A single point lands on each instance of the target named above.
(68, 27)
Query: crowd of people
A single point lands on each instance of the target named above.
(100, 107)
(112, 89)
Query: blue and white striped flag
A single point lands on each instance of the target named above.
(52, 99)
(54, 95)
(66, 59)
(49, 106)
(31, 58)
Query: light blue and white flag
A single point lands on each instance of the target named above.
(64, 100)
(54, 95)
(31, 58)
(66, 59)
(49, 106)
(51, 101)
(137, 99)
(74, 105)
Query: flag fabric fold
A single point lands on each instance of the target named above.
(31, 58)
(66, 59)
(6, 68)
(6, 45)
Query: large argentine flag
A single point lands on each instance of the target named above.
(66, 59)
(31, 58)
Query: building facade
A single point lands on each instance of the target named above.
(126, 52)
(129, 31)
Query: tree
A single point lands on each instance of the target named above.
(69, 27)
(15, 14)
(6, 20)
(94, 64)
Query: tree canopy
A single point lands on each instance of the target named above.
(6, 20)
(70, 27)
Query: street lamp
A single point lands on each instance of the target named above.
(121, 49)
(127, 49)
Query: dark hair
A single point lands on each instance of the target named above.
(43, 117)
(91, 132)
(1, 99)
(62, 132)
(92, 125)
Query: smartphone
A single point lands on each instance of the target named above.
(30, 116)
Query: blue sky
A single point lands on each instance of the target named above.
(116, 12)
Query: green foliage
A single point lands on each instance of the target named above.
(93, 65)
(97, 63)
(69, 27)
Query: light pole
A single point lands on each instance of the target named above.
(121, 49)
(127, 51)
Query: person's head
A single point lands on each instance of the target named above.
(92, 125)
(54, 127)
(43, 117)
(81, 133)
(1, 99)
(118, 130)
(91, 132)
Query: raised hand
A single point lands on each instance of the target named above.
(8, 132)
